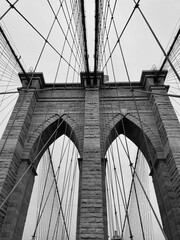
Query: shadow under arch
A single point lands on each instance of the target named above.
(149, 144)
(48, 135)
(64, 187)
(136, 135)
(37, 143)
(41, 141)
(139, 137)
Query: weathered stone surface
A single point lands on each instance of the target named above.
(90, 193)
(92, 118)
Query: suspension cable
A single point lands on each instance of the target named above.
(84, 35)
(12, 50)
(35, 29)
(11, 7)
(132, 13)
(157, 40)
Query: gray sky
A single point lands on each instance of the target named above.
(140, 48)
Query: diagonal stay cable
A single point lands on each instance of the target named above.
(58, 194)
(125, 151)
(110, 24)
(170, 49)
(12, 51)
(57, 172)
(69, 183)
(78, 31)
(73, 191)
(122, 32)
(38, 154)
(7, 115)
(73, 32)
(51, 187)
(72, 52)
(153, 210)
(11, 6)
(110, 207)
(121, 46)
(122, 193)
(65, 34)
(35, 29)
(54, 197)
(130, 193)
(44, 45)
(157, 40)
(140, 121)
(112, 171)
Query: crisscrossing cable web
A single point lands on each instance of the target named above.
(51, 38)
(9, 81)
(53, 208)
(52, 31)
(131, 201)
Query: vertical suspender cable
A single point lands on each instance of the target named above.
(84, 36)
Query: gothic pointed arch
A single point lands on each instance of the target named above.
(45, 135)
(145, 139)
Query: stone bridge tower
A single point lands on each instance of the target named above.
(142, 112)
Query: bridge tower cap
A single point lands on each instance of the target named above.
(92, 79)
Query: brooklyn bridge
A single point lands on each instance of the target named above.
(89, 120)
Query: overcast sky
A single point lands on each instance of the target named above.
(140, 48)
